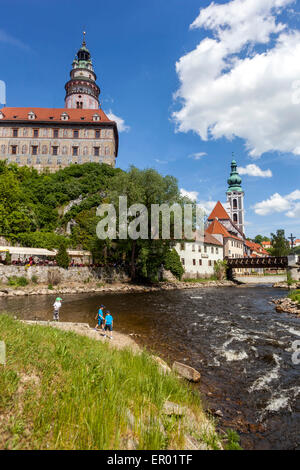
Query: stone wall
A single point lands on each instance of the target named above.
(47, 275)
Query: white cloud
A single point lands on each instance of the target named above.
(122, 127)
(278, 203)
(254, 170)
(207, 206)
(7, 38)
(192, 195)
(161, 162)
(228, 89)
(198, 156)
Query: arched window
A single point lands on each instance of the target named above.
(235, 218)
(234, 204)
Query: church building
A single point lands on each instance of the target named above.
(54, 138)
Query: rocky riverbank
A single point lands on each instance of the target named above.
(79, 288)
(285, 285)
(287, 305)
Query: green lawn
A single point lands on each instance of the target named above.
(59, 390)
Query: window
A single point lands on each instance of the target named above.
(199, 249)
(59, 161)
(182, 246)
(182, 261)
(35, 132)
(96, 151)
(15, 132)
(79, 104)
(193, 247)
(76, 134)
(235, 218)
(209, 262)
(212, 249)
(200, 262)
(55, 133)
(235, 204)
(217, 251)
(194, 262)
(205, 249)
(75, 151)
(14, 150)
(97, 134)
(54, 150)
(34, 150)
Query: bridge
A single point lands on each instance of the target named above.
(267, 262)
(291, 263)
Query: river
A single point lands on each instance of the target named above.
(233, 336)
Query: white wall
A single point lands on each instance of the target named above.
(208, 255)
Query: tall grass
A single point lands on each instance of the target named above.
(60, 390)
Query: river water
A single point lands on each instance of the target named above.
(233, 336)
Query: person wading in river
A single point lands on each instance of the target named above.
(56, 306)
(100, 318)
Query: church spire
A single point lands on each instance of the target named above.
(82, 90)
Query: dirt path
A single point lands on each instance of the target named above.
(119, 339)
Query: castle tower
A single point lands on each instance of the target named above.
(235, 197)
(81, 90)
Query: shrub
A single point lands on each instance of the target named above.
(34, 279)
(172, 263)
(17, 281)
(220, 269)
(54, 278)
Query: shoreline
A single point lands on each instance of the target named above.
(118, 288)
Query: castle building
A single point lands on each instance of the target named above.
(55, 138)
(235, 197)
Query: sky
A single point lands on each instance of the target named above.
(189, 82)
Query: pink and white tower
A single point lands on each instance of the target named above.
(82, 92)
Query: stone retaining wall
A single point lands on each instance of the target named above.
(48, 274)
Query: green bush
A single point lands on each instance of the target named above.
(172, 263)
(18, 281)
(295, 296)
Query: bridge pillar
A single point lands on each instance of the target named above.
(294, 267)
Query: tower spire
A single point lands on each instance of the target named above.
(82, 90)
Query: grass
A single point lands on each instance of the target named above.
(295, 296)
(59, 390)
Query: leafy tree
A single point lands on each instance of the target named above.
(172, 263)
(259, 239)
(62, 257)
(280, 246)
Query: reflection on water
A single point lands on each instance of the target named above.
(234, 337)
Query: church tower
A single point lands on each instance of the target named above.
(235, 197)
(82, 92)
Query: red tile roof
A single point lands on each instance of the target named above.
(219, 212)
(53, 114)
(217, 228)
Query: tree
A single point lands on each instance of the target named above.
(259, 239)
(145, 187)
(220, 269)
(280, 246)
(172, 263)
(62, 257)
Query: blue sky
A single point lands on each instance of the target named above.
(236, 84)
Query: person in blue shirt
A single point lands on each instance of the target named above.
(109, 323)
(100, 318)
